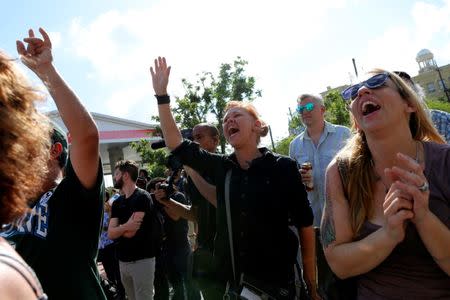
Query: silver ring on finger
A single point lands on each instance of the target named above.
(424, 187)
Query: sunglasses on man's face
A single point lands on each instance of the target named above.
(307, 106)
(373, 82)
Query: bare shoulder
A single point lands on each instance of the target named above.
(332, 174)
(13, 285)
(335, 227)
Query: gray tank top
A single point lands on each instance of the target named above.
(410, 272)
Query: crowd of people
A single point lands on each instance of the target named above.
(380, 193)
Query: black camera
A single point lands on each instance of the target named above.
(173, 164)
(168, 188)
(185, 133)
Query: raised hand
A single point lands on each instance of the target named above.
(160, 76)
(37, 55)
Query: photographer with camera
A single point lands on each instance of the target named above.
(200, 192)
(172, 263)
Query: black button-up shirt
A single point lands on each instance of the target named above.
(262, 200)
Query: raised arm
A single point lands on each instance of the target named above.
(160, 78)
(84, 151)
(346, 257)
(175, 209)
(206, 189)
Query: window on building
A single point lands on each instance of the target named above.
(431, 87)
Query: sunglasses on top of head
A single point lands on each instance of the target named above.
(373, 82)
(307, 107)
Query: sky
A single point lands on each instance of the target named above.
(104, 48)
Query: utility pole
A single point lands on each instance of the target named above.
(271, 138)
(354, 67)
(446, 90)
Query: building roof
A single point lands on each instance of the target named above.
(113, 129)
(424, 54)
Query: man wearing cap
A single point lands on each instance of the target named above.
(317, 144)
(59, 237)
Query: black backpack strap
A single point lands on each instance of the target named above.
(33, 282)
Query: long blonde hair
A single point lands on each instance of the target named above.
(357, 157)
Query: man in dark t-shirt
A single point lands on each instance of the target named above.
(207, 136)
(130, 225)
(59, 237)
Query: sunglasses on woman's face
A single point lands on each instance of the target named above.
(307, 106)
(372, 83)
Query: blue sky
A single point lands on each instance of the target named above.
(104, 48)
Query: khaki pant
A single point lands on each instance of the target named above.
(137, 278)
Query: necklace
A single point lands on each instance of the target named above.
(379, 178)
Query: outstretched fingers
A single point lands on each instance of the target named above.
(21, 48)
(30, 46)
(162, 63)
(45, 36)
(160, 75)
(161, 66)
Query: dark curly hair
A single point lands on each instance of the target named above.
(24, 142)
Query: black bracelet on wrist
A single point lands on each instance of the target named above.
(163, 99)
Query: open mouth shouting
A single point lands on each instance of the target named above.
(232, 131)
(369, 107)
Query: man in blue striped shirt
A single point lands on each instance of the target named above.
(317, 144)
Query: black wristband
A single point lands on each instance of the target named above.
(163, 99)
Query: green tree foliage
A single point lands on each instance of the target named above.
(154, 160)
(437, 104)
(210, 95)
(282, 146)
(337, 112)
(295, 123)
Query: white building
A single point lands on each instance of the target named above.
(116, 134)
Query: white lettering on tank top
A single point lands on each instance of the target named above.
(34, 222)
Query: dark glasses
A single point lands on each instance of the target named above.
(372, 83)
(403, 75)
(307, 106)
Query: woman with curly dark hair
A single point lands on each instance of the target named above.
(24, 152)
